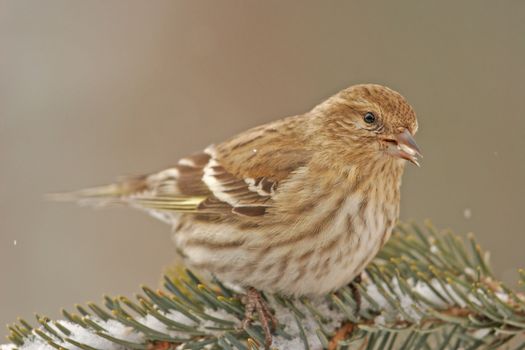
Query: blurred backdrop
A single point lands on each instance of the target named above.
(90, 90)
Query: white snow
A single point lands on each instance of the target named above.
(390, 313)
(286, 317)
(116, 329)
(36, 344)
(220, 314)
(470, 272)
(411, 308)
(153, 323)
(82, 335)
(425, 290)
(380, 320)
(481, 333)
(7, 347)
(504, 297)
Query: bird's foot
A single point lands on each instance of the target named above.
(356, 294)
(254, 303)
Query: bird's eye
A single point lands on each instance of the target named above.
(369, 118)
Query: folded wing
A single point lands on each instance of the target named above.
(239, 177)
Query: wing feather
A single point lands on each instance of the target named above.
(239, 177)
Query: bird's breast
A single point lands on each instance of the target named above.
(319, 247)
(358, 228)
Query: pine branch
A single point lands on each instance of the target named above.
(425, 290)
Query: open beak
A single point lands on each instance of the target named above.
(404, 146)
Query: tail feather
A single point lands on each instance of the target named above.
(103, 195)
(136, 192)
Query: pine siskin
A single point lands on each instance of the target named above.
(298, 206)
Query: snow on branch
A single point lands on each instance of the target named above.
(426, 289)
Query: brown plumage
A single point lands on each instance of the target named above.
(298, 206)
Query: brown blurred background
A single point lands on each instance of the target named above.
(94, 89)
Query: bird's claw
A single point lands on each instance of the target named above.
(356, 294)
(254, 303)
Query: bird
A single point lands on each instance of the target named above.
(298, 206)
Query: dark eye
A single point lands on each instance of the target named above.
(369, 118)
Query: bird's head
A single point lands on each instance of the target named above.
(369, 121)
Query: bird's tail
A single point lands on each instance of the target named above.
(115, 193)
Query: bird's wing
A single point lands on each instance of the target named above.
(240, 176)
(205, 187)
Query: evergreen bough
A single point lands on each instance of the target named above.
(425, 290)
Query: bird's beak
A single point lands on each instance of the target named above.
(404, 146)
